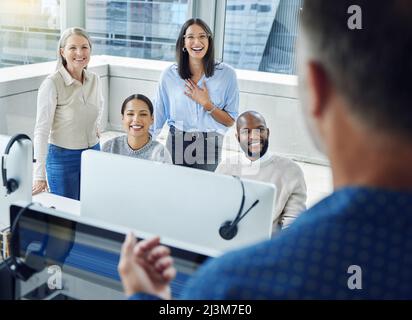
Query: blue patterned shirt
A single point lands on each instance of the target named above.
(355, 244)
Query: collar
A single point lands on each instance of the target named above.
(68, 79)
(259, 162)
(142, 149)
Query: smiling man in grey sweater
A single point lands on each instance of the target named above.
(257, 163)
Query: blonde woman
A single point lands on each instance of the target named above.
(69, 106)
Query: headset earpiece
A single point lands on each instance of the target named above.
(10, 184)
(228, 230)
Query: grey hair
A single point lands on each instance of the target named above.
(63, 40)
(370, 67)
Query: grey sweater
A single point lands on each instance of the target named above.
(153, 150)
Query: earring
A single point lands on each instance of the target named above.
(184, 49)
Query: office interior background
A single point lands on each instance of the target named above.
(251, 34)
(134, 40)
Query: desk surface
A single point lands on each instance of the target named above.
(51, 200)
(60, 203)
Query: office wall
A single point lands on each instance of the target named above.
(18, 95)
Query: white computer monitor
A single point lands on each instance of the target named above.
(19, 166)
(179, 203)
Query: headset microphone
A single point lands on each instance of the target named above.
(229, 229)
(11, 185)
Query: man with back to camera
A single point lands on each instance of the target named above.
(356, 243)
(258, 163)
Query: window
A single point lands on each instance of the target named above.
(29, 31)
(136, 28)
(261, 35)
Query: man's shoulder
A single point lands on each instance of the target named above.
(284, 162)
(289, 168)
(315, 226)
(310, 259)
(325, 215)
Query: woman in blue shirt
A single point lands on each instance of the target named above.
(198, 98)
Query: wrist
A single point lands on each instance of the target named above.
(208, 106)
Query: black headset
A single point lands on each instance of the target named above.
(10, 184)
(228, 229)
(16, 266)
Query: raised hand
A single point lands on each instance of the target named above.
(194, 92)
(146, 267)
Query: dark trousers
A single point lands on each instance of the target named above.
(200, 150)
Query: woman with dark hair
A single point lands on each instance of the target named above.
(137, 117)
(198, 98)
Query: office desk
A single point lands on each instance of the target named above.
(51, 200)
(48, 200)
